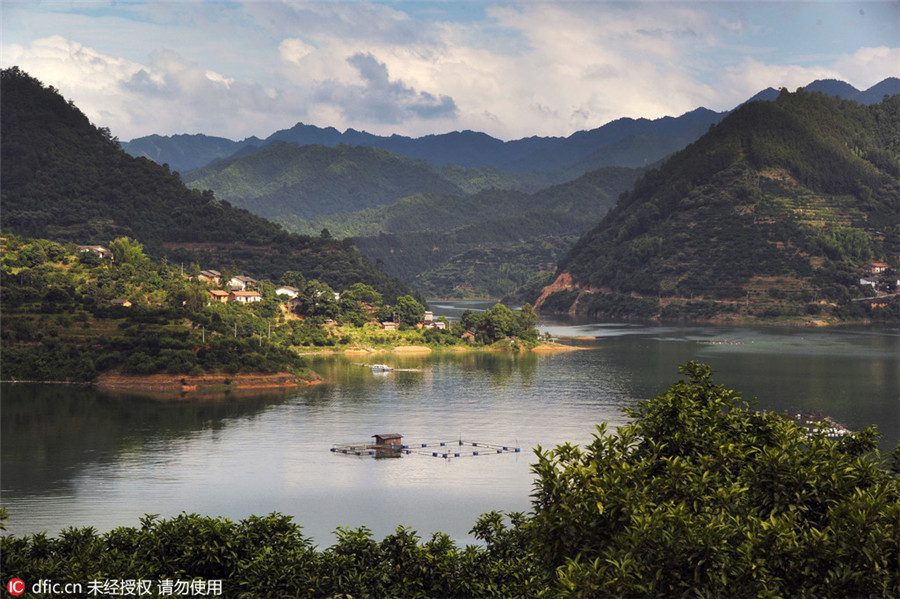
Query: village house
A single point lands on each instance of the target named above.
(388, 325)
(120, 302)
(244, 297)
(876, 267)
(287, 290)
(97, 249)
(428, 322)
(867, 281)
(878, 302)
(241, 283)
(213, 276)
(219, 295)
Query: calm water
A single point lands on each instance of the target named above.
(73, 456)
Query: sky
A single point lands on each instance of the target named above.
(236, 69)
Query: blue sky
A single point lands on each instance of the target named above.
(511, 69)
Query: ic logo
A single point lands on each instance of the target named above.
(15, 586)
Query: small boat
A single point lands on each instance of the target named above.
(381, 368)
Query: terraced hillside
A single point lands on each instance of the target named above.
(773, 214)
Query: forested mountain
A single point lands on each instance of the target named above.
(65, 180)
(480, 245)
(287, 180)
(776, 211)
(484, 245)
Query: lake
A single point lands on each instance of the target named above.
(72, 456)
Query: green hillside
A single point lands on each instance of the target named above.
(66, 180)
(284, 179)
(478, 246)
(774, 213)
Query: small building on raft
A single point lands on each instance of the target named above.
(390, 440)
(389, 445)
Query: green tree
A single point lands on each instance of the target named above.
(527, 318)
(363, 294)
(500, 322)
(128, 251)
(409, 311)
(470, 320)
(703, 496)
(293, 278)
(318, 300)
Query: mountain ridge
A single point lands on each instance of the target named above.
(463, 148)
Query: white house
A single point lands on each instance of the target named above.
(241, 283)
(867, 281)
(244, 297)
(97, 249)
(291, 292)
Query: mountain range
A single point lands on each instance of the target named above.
(475, 150)
(773, 212)
(448, 229)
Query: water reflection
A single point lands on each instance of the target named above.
(50, 433)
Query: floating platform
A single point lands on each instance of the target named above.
(389, 446)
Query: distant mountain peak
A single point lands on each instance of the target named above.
(833, 87)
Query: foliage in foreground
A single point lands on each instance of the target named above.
(269, 557)
(704, 496)
(701, 496)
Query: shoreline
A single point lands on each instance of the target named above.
(173, 386)
(543, 347)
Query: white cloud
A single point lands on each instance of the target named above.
(511, 70)
(379, 99)
(862, 69)
(575, 67)
(751, 76)
(219, 78)
(867, 66)
(66, 63)
(294, 50)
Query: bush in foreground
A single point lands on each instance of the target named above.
(703, 496)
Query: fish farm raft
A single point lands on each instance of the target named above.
(391, 446)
